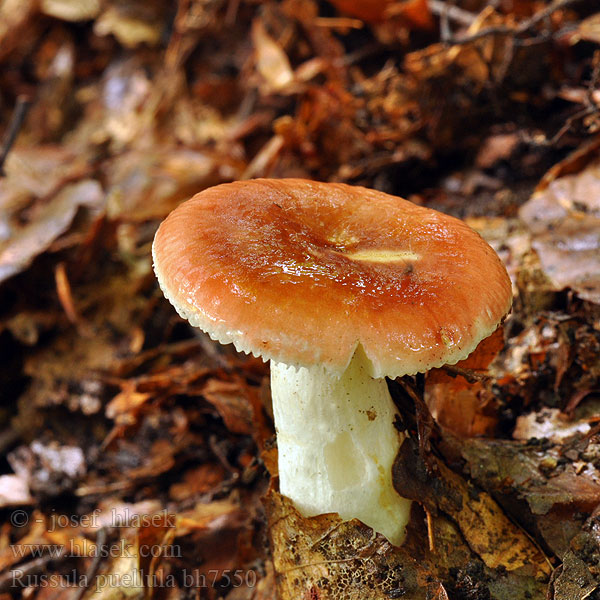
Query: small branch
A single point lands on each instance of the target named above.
(595, 77)
(8, 438)
(338, 22)
(469, 374)
(544, 14)
(12, 579)
(93, 568)
(16, 122)
(445, 32)
(63, 291)
(524, 27)
(425, 424)
(548, 142)
(449, 12)
(430, 529)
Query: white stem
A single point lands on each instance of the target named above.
(337, 443)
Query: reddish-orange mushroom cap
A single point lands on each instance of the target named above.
(303, 272)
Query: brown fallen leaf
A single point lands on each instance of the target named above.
(564, 220)
(578, 576)
(126, 405)
(148, 185)
(218, 530)
(589, 29)
(478, 61)
(197, 480)
(160, 460)
(266, 588)
(52, 220)
(121, 578)
(438, 592)
(466, 408)
(15, 15)
(220, 514)
(411, 13)
(329, 559)
(543, 487)
(363, 9)
(487, 530)
(24, 547)
(231, 399)
(325, 558)
(38, 172)
(71, 10)
(272, 62)
(155, 540)
(496, 148)
(137, 23)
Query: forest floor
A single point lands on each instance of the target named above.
(134, 453)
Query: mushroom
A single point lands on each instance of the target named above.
(339, 287)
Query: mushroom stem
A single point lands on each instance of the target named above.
(337, 443)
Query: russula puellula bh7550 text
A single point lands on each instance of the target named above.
(339, 287)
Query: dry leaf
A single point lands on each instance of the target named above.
(271, 61)
(121, 578)
(496, 148)
(329, 559)
(363, 9)
(589, 29)
(485, 527)
(125, 406)
(564, 220)
(467, 408)
(130, 32)
(198, 480)
(24, 244)
(232, 403)
(71, 10)
(14, 16)
(578, 576)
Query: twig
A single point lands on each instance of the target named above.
(445, 32)
(451, 12)
(524, 27)
(63, 290)
(221, 455)
(587, 97)
(13, 578)
(544, 37)
(576, 399)
(16, 122)
(545, 13)
(580, 114)
(338, 22)
(469, 374)
(363, 52)
(8, 438)
(593, 84)
(430, 529)
(426, 426)
(93, 569)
